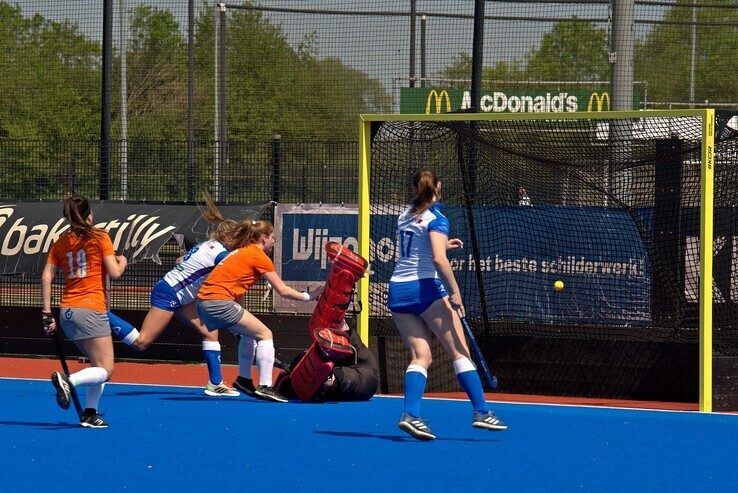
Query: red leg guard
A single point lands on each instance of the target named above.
(310, 374)
(333, 343)
(333, 302)
(344, 258)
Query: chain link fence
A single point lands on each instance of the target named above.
(307, 69)
(258, 101)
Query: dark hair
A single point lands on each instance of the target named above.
(233, 234)
(76, 211)
(424, 183)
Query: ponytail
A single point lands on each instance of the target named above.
(233, 234)
(248, 232)
(424, 183)
(76, 211)
(211, 213)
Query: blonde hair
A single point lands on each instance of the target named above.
(233, 234)
(247, 232)
(424, 183)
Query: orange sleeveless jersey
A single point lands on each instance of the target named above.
(81, 260)
(235, 274)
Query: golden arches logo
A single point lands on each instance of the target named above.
(438, 98)
(599, 101)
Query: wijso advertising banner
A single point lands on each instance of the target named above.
(597, 252)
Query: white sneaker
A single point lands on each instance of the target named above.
(220, 390)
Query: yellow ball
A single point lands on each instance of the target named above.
(559, 286)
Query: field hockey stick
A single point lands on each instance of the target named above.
(65, 369)
(491, 379)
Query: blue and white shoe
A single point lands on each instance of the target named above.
(487, 421)
(415, 427)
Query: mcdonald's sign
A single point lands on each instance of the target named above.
(438, 98)
(601, 101)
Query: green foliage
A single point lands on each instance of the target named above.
(272, 86)
(577, 51)
(571, 51)
(58, 68)
(461, 68)
(664, 57)
(157, 75)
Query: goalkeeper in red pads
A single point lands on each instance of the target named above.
(337, 366)
(352, 376)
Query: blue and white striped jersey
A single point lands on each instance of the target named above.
(188, 275)
(413, 238)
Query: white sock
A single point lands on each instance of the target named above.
(93, 395)
(130, 338)
(462, 365)
(417, 368)
(246, 350)
(93, 375)
(265, 361)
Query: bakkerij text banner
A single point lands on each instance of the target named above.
(28, 229)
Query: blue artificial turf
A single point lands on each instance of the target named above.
(176, 438)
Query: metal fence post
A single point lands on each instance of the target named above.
(276, 159)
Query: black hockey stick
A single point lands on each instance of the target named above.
(491, 379)
(65, 368)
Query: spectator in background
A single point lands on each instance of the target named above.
(523, 198)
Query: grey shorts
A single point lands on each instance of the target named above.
(219, 314)
(82, 323)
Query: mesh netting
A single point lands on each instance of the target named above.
(609, 207)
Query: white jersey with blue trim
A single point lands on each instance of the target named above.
(188, 275)
(413, 239)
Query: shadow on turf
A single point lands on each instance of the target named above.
(148, 392)
(40, 425)
(184, 397)
(396, 438)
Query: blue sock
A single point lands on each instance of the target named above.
(211, 350)
(121, 329)
(468, 377)
(415, 378)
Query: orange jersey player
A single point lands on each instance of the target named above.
(219, 306)
(174, 295)
(86, 256)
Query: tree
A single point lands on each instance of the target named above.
(49, 95)
(571, 51)
(461, 69)
(58, 68)
(663, 59)
(274, 87)
(157, 75)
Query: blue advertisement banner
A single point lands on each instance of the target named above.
(596, 252)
